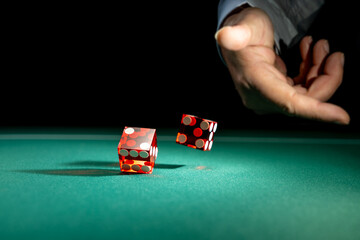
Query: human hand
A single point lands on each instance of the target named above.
(246, 41)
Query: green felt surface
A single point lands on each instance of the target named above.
(249, 186)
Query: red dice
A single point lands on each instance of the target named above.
(138, 150)
(196, 132)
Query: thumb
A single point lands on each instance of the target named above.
(233, 38)
(251, 26)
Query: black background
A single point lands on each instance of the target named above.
(143, 64)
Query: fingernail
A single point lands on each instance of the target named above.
(310, 39)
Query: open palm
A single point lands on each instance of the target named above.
(246, 42)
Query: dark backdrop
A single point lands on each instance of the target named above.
(142, 64)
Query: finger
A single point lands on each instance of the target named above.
(300, 89)
(320, 52)
(287, 100)
(233, 38)
(325, 85)
(291, 102)
(307, 107)
(251, 26)
(280, 65)
(305, 46)
(305, 52)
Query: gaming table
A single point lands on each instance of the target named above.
(66, 184)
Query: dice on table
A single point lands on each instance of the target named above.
(138, 150)
(196, 132)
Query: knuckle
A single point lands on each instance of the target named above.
(288, 107)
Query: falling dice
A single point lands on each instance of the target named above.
(137, 150)
(196, 132)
